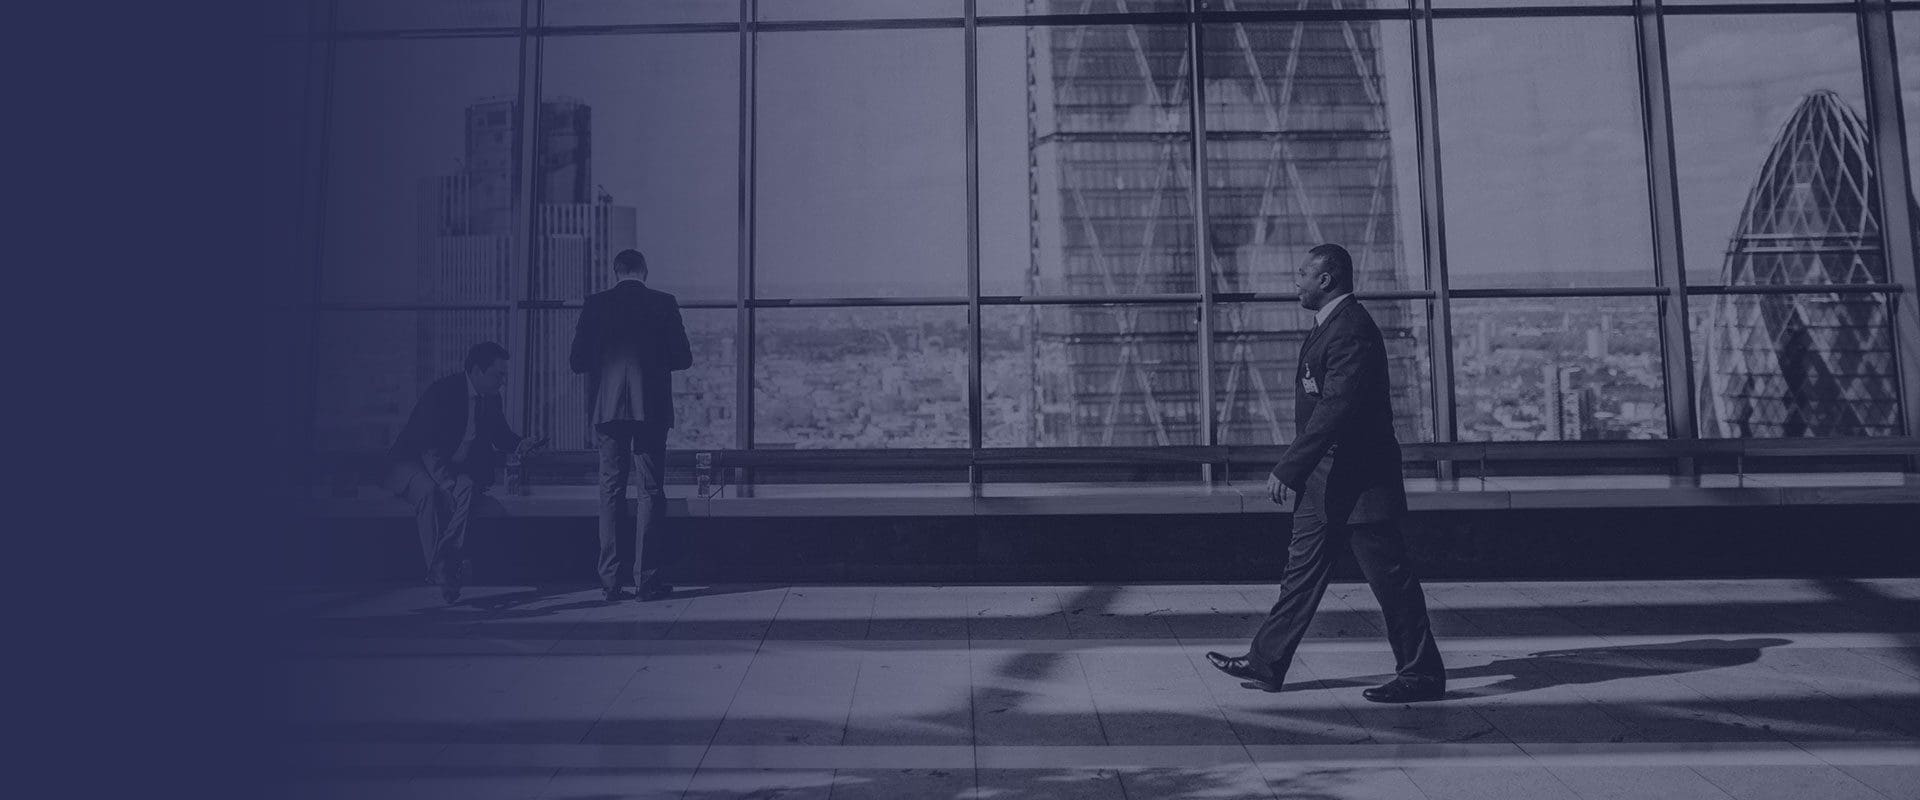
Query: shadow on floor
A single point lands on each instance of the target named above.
(1586, 665)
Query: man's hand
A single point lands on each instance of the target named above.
(529, 444)
(1278, 491)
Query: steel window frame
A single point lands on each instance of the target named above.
(1880, 69)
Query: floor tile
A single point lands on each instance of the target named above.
(599, 784)
(793, 698)
(1489, 783)
(910, 697)
(901, 784)
(1637, 783)
(1761, 782)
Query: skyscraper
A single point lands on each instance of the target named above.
(1299, 153)
(467, 251)
(1780, 365)
(577, 231)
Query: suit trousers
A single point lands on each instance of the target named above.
(636, 450)
(1382, 554)
(441, 516)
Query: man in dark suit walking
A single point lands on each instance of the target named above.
(1343, 473)
(443, 460)
(629, 342)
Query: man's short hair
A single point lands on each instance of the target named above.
(1335, 261)
(629, 262)
(482, 356)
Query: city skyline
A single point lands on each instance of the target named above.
(1144, 375)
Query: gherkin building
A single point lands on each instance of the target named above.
(1804, 364)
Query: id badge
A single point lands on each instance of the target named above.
(1309, 384)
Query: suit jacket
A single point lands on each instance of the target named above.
(628, 343)
(1343, 412)
(438, 423)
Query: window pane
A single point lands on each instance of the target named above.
(1015, 8)
(703, 395)
(861, 165)
(358, 15)
(420, 189)
(1780, 365)
(1774, 156)
(1545, 170)
(860, 377)
(1311, 139)
(775, 10)
(1515, 3)
(616, 173)
(1085, 184)
(1068, 376)
(1256, 348)
(639, 12)
(1687, 2)
(373, 365)
(1558, 369)
(1906, 34)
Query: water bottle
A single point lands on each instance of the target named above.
(516, 475)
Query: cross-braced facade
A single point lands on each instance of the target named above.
(1298, 153)
(1805, 364)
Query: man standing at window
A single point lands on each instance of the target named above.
(443, 460)
(629, 342)
(1343, 473)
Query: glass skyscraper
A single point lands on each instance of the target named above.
(1299, 153)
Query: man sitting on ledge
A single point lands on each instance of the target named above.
(443, 460)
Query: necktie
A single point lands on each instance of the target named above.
(472, 432)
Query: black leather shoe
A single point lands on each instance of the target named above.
(450, 592)
(611, 593)
(1238, 666)
(1407, 690)
(654, 591)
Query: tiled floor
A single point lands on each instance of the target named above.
(1792, 689)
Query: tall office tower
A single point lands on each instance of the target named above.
(467, 251)
(1299, 154)
(492, 145)
(457, 265)
(575, 243)
(577, 231)
(1780, 365)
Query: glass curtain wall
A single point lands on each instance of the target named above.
(1074, 223)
